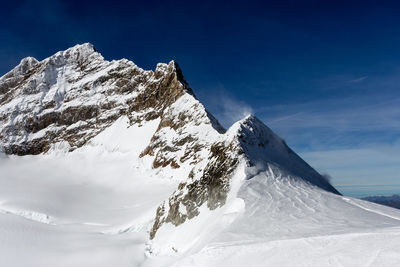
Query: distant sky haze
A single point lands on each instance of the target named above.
(324, 75)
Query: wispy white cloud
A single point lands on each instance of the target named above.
(342, 115)
(329, 122)
(356, 141)
(369, 165)
(357, 80)
(233, 110)
(225, 107)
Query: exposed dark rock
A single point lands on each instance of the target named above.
(211, 188)
(147, 95)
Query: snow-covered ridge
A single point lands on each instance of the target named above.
(261, 145)
(132, 167)
(76, 105)
(75, 94)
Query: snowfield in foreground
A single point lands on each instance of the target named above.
(95, 206)
(120, 166)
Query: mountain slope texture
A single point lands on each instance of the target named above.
(106, 164)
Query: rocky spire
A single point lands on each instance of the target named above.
(74, 94)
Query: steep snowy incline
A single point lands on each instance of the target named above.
(247, 148)
(276, 201)
(124, 166)
(286, 222)
(262, 146)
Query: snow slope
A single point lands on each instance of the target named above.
(288, 223)
(87, 208)
(97, 207)
(131, 170)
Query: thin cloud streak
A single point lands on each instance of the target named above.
(233, 110)
(363, 166)
(356, 142)
(226, 108)
(358, 79)
(331, 121)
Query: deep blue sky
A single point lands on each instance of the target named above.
(324, 75)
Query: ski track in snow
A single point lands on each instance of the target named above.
(353, 202)
(47, 219)
(30, 215)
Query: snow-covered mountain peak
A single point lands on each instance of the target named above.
(81, 50)
(251, 131)
(78, 55)
(74, 94)
(77, 101)
(168, 178)
(263, 148)
(26, 65)
(250, 123)
(173, 68)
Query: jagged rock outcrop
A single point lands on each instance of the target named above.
(75, 94)
(211, 188)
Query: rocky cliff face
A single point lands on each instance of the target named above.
(75, 94)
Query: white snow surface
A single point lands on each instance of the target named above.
(94, 207)
(289, 223)
(91, 207)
